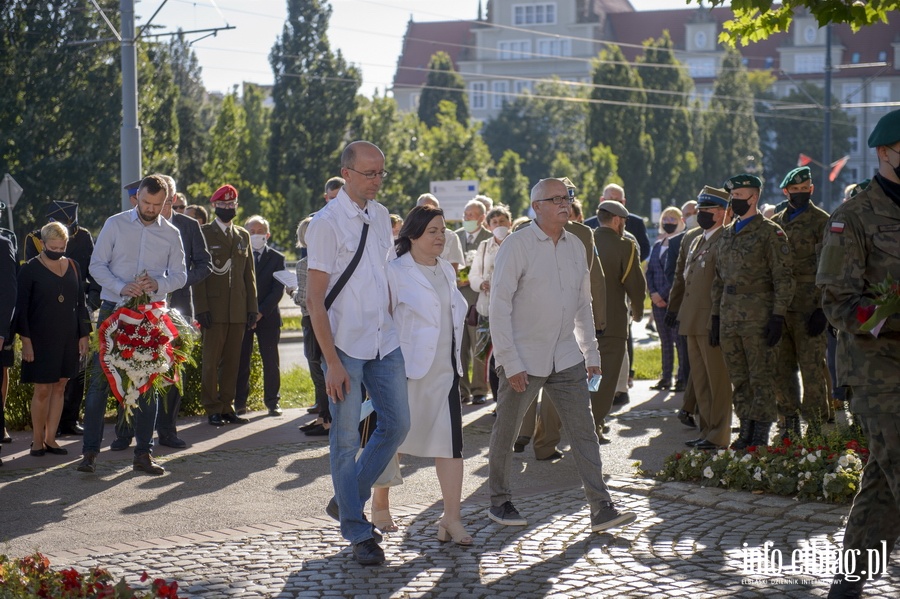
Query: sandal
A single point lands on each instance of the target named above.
(453, 532)
(383, 521)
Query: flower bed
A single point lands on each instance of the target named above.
(824, 469)
(32, 576)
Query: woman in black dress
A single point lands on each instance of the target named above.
(52, 320)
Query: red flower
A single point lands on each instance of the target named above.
(144, 576)
(864, 313)
(786, 441)
(128, 353)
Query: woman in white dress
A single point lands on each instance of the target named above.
(429, 312)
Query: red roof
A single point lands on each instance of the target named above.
(422, 40)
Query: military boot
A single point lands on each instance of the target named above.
(745, 435)
(844, 589)
(760, 436)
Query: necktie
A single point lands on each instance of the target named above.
(470, 239)
(256, 257)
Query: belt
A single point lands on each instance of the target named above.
(805, 278)
(742, 289)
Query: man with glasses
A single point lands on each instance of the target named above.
(225, 305)
(179, 203)
(358, 340)
(543, 331)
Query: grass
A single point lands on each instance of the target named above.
(290, 323)
(648, 362)
(297, 389)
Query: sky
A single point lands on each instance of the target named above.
(369, 33)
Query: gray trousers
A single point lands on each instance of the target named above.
(568, 391)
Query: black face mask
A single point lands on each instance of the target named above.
(669, 228)
(225, 214)
(739, 206)
(706, 220)
(800, 199)
(54, 255)
(896, 168)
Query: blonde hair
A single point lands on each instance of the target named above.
(54, 230)
(671, 210)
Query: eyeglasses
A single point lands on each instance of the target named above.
(179, 208)
(232, 204)
(382, 174)
(558, 200)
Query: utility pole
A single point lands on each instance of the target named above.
(130, 136)
(825, 196)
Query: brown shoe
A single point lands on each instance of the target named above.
(88, 464)
(143, 463)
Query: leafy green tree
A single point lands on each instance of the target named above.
(616, 118)
(731, 143)
(668, 120)
(314, 101)
(192, 111)
(256, 143)
(157, 110)
(225, 161)
(756, 20)
(604, 170)
(443, 84)
(514, 191)
(455, 151)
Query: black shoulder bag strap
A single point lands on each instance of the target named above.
(345, 276)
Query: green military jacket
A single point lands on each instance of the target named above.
(695, 271)
(625, 283)
(861, 248)
(805, 234)
(753, 272)
(229, 293)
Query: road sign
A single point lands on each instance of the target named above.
(453, 196)
(10, 191)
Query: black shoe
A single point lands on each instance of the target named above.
(520, 444)
(478, 400)
(36, 453)
(679, 387)
(215, 419)
(72, 429)
(120, 443)
(368, 553)
(276, 411)
(621, 399)
(506, 514)
(609, 517)
(686, 419)
(6, 438)
(553, 457)
(706, 445)
(841, 588)
(143, 463)
(662, 385)
(172, 441)
(56, 450)
(241, 411)
(317, 431)
(234, 419)
(312, 410)
(88, 463)
(308, 427)
(694, 442)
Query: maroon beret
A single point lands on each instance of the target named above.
(226, 193)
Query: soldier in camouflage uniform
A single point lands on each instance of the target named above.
(861, 248)
(750, 296)
(803, 344)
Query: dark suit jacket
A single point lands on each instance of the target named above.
(268, 289)
(8, 287)
(196, 259)
(470, 294)
(634, 224)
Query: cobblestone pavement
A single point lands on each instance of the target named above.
(687, 542)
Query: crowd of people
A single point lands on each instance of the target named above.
(410, 320)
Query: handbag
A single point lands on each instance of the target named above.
(472, 316)
(311, 348)
(391, 476)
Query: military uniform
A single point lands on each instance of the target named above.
(861, 248)
(228, 295)
(753, 286)
(798, 347)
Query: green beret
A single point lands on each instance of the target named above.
(712, 197)
(887, 131)
(743, 180)
(859, 187)
(796, 176)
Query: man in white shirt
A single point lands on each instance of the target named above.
(543, 332)
(358, 340)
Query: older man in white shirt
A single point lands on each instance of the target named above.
(543, 332)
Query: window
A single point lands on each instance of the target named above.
(701, 67)
(522, 87)
(882, 56)
(549, 47)
(854, 141)
(770, 62)
(851, 174)
(514, 50)
(534, 14)
(850, 93)
(476, 95)
(500, 90)
(881, 92)
(414, 101)
(854, 58)
(809, 63)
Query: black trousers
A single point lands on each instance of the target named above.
(268, 335)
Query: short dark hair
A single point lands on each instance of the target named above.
(199, 211)
(496, 211)
(154, 184)
(414, 226)
(605, 217)
(334, 183)
(576, 209)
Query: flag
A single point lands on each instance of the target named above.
(836, 167)
(803, 160)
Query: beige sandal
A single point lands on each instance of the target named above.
(455, 532)
(383, 521)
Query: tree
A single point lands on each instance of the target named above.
(755, 20)
(616, 118)
(192, 111)
(604, 170)
(455, 151)
(513, 184)
(731, 143)
(314, 98)
(443, 84)
(668, 120)
(157, 110)
(256, 143)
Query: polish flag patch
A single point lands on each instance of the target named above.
(779, 232)
(837, 227)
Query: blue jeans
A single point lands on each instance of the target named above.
(95, 404)
(385, 380)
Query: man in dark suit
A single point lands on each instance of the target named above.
(225, 303)
(471, 234)
(268, 321)
(634, 224)
(7, 308)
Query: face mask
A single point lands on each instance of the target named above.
(690, 222)
(501, 232)
(706, 220)
(258, 242)
(470, 226)
(896, 168)
(740, 207)
(225, 214)
(800, 199)
(54, 255)
(669, 228)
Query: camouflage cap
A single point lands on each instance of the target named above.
(741, 181)
(886, 131)
(712, 197)
(613, 207)
(796, 176)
